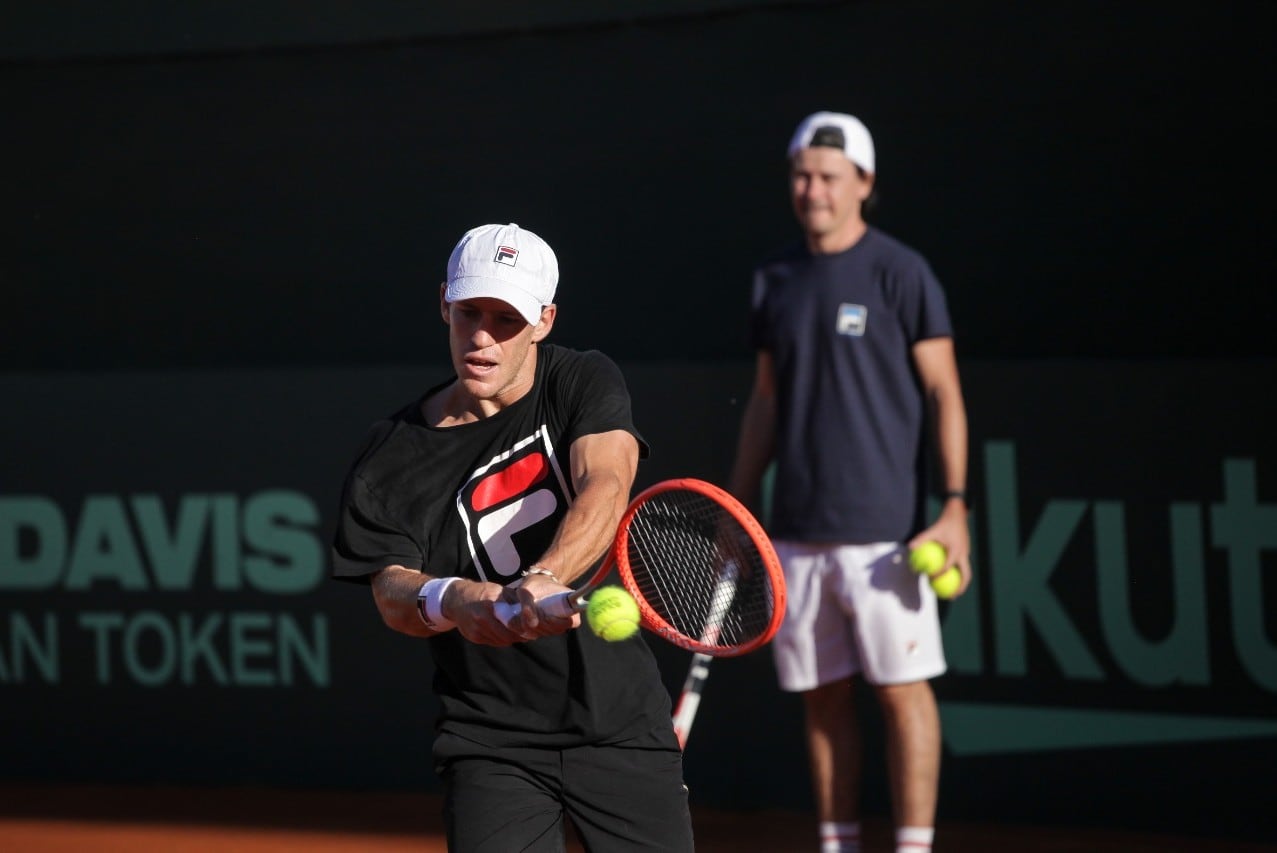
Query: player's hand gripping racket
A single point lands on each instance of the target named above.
(702, 571)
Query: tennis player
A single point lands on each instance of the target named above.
(855, 358)
(505, 482)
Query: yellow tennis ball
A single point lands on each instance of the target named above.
(612, 613)
(946, 585)
(928, 558)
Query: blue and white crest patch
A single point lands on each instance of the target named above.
(852, 319)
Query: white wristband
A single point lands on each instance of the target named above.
(430, 603)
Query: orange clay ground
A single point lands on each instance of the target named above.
(43, 819)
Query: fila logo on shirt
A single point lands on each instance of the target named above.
(852, 319)
(509, 507)
(507, 255)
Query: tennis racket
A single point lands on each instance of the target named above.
(702, 571)
(689, 699)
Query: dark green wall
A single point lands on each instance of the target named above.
(1113, 665)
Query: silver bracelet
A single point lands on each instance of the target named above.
(539, 570)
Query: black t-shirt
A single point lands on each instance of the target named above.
(483, 500)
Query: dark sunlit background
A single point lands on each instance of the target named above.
(222, 230)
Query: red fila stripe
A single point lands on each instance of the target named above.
(509, 482)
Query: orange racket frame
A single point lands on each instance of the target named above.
(757, 539)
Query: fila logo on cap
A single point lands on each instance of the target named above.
(506, 255)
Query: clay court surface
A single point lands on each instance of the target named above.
(47, 818)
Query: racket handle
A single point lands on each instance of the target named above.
(690, 699)
(505, 611)
(559, 604)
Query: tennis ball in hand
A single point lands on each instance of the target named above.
(946, 584)
(928, 558)
(612, 613)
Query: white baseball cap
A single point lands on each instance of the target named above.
(504, 262)
(836, 130)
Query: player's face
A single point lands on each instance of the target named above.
(827, 192)
(491, 343)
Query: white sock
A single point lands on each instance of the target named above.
(915, 839)
(839, 837)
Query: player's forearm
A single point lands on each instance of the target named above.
(394, 590)
(589, 526)
(754, 447)
(951, 438)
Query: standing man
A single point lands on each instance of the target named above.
(506, 483)
(855, 359)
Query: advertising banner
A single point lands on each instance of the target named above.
(166, 614)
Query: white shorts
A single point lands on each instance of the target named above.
(855, 609)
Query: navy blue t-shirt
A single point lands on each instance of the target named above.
(850, 441)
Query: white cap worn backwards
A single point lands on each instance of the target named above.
(836, 130)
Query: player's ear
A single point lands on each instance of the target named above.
(443, 303)
(542, 329)
(866, 184)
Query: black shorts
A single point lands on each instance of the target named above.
(625, 796)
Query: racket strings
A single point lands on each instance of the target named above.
(699, 569)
